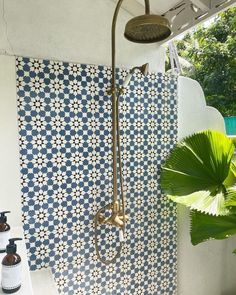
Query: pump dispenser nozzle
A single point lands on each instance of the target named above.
(11, 247)
(4, 231)
(3, 217)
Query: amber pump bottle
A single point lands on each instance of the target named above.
(4, 231)
(11, 269)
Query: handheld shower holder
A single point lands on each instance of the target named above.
(114, 89)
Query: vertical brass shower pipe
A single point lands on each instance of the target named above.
(114, 101)
(115, 205)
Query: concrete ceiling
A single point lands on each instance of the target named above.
(182, 14)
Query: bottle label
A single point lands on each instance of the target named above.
(11, 276)
(4, 237)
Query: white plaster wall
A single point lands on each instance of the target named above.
(208, 268)
(71, 30)
(10, 195)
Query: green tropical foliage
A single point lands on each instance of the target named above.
(200, 173)
(197, 171)
(212, 52)
(234, 141)
(205, 227)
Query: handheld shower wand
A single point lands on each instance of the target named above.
(143, 69)
(146, 28)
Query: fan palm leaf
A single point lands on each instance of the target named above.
(205, 227)
(198, 170)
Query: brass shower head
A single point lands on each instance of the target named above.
(147, 28)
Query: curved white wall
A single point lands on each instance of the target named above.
(193, 113)
(209, 268)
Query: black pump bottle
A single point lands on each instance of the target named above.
(11, 269)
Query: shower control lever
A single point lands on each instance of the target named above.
(116, 218)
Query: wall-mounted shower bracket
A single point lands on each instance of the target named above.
(120, 91)
(110, 91)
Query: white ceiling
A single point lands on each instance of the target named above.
(161, 6)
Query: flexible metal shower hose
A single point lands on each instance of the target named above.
(109, 206)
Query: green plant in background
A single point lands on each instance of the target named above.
(234, 141)
(200, 173)
(212, 52)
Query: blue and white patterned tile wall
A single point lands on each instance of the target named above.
(64, 117)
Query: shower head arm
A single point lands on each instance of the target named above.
(113, 90)
(113, 36)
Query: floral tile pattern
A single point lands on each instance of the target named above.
(64, 116)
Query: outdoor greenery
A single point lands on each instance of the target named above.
(234, 141)
(200, 173)
(212, 52)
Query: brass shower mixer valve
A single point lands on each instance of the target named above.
(117, 217)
